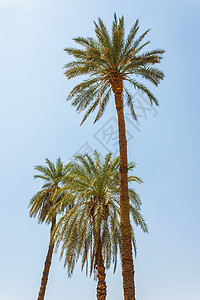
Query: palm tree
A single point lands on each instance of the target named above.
(43, 201)
(111, 61)
(91, 228)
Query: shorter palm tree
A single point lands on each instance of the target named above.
(43, 201)
(91, 229)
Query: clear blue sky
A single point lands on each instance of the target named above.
(36, 122)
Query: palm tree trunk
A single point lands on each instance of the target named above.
(47, 265)
(125, 226)
(101, 275)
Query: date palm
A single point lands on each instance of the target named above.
(91, 229)
(43, 201)
(112, 61)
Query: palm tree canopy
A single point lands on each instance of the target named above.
(93, 221)
(110, 59)
(53, 176)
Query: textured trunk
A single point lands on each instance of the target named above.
(101, 275)
(125, 226)
(47, 265)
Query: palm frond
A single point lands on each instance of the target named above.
(129, 101)
(142, 88)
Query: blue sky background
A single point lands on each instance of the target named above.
(36, 122)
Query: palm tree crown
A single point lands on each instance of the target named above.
(111, 60)
(53, 176)
(93, 222)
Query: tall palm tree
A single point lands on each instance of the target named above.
(91, 229)
(43, 201)
(112, 61)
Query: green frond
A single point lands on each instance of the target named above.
(44, 170)
(51, 166)
(115, 22)
(154, 75)
(82, 86)
(91, 109)
(103, 34)
(139, 48)
(46, 178)
(137, 42)
(129, 101)
(134, 243)
(117, 40)
(78, 70)
(144, 89)
(103, 104)
(138, 218)
(158, 52)
(99, 92)
(85, 98)
(77, 53)
(130, 37)
(86, 42)
(134, 198)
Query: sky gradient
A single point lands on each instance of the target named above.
(36, 122)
